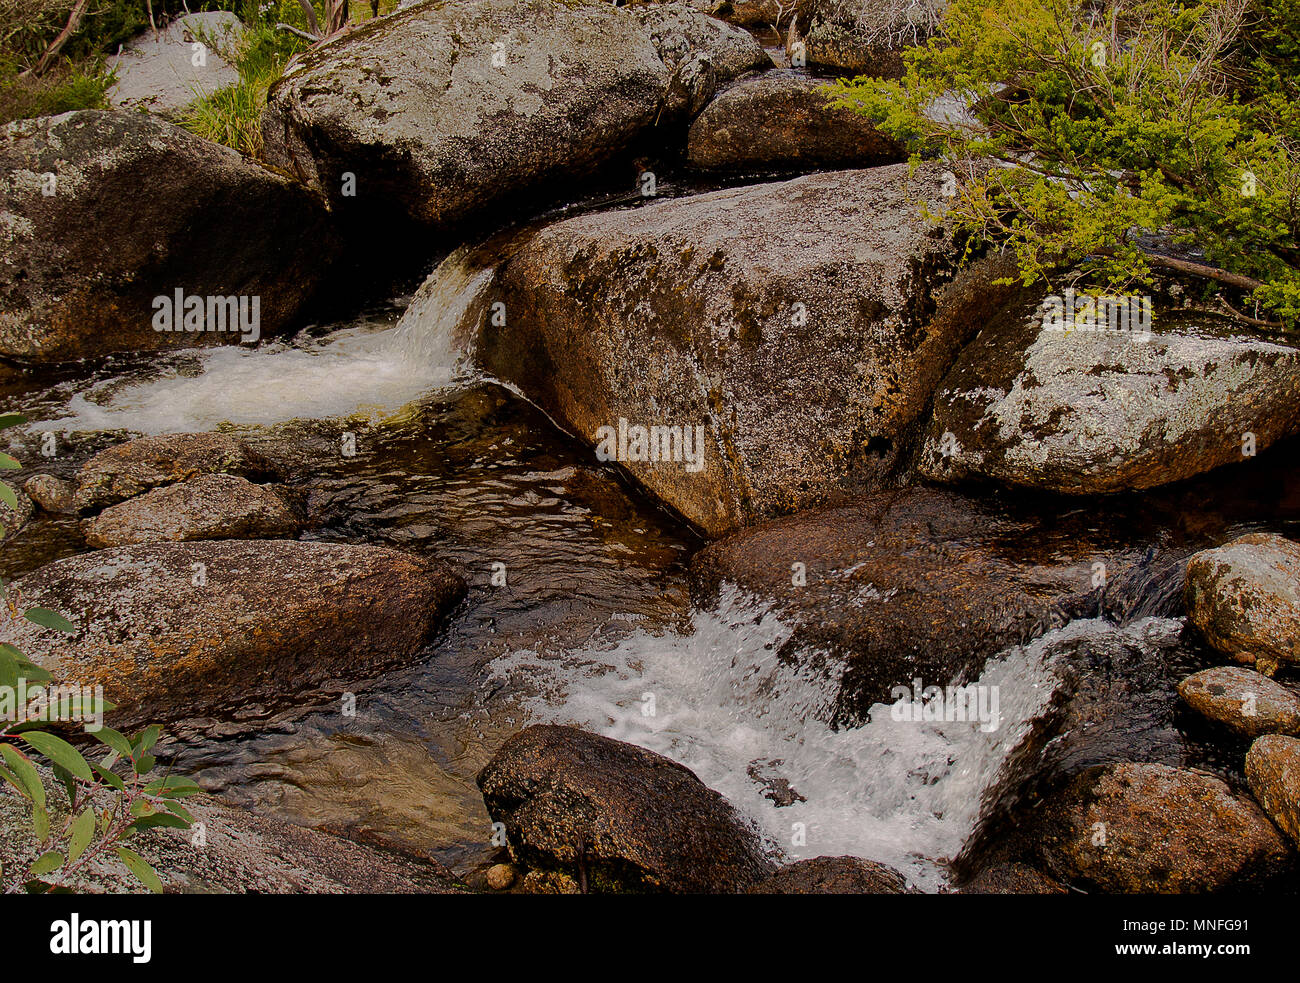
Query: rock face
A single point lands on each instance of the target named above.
(797, 329)
(137, 466)
(98, 229)
(1243, 700)
(1245, 599)
(13, 520)
(911, 583)
(244, 853)
(1085, 412)
(782, 121)
(834, 875)
(443, 111)
(1273, 770)
(158, 72)
(1166, 831)
(210, 506)
(177, 630)
(617, 816)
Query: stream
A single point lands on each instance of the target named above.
(594, 624)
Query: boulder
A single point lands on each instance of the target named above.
(917, 582)
(834, 875)
(180, 630)
(209, 506)
(133, 468)
(857, 37)
(1243, 700)
(100, 215)
(1087, 411)
(163, 72)
(791, 332)
(240, 853)
(50, 493)
(616, 817)
(781, 121)
(446, 111)
(1245, 598)
(1273, 771)
(1155, 829)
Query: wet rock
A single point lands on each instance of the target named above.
(1273, 771)
(106, 215)
(549, 882)
(1012, 878)
(782, 121)
(1087, 411)
(500, 877)
(918, 582)
(1245, 598)
(157, 73)
(133, 468)
(180, 630)
(209, 506)
(798, 327)
(1153, 829)
(834, 875)
(1245, 701)
(239, 853)
(615, 817)
(50, 493)
(448, 111)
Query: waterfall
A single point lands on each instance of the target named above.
(898, 790)
(368, 367)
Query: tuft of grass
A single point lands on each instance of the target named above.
(61, 90)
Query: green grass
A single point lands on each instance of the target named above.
(60, 90)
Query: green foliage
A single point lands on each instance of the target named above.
(233, 116)
(1109, 119)
(104, 808)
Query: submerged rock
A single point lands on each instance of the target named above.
(209, 506)
(834, 875)
(1245, 701)
(783, 121)
(1245, 599)
(793, 332)
(180, 630)
(1091, 411)
(105, 217)
(158, 71)
(133, 468)
(1154, 829)
(445, 111)
(1273, 771)
(615, 817)
(917, 582)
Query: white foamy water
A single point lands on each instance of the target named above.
(369, 369)
(903, 792)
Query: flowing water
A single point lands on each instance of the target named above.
(594, 625)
